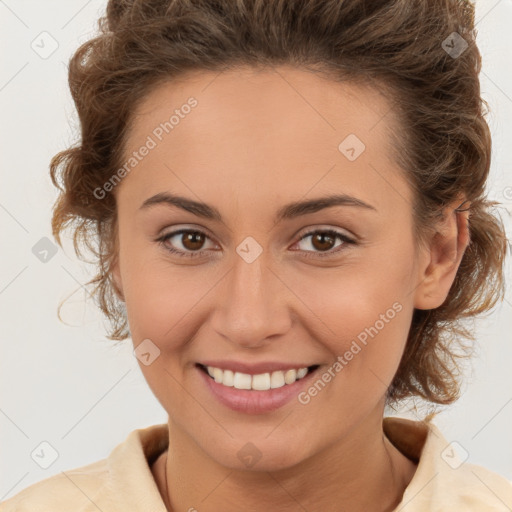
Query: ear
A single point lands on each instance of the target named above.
(443, 256)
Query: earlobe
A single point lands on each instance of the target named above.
(447, 248)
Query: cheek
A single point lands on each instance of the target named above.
(361, 311)
(349, 298)
(158, 293)
(159, 303)
(364, 324)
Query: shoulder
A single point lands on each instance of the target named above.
(471, 487)
(467, 485)
(444, 479)
(121, 481)
(74, 489)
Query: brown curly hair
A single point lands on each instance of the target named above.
(398, 46)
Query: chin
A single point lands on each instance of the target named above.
(262, 455)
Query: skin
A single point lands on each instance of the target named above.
(258, 140)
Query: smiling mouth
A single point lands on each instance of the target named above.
(260, 382)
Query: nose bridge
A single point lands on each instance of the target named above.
(249, 311)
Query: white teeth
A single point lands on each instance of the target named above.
(277, 380)
(228, 378)
(301, 372)
(217, 374)
(290, 376)
(260, 382)
(242, 381)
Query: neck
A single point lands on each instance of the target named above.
(362, 471)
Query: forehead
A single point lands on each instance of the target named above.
(249, 129)
(248, 95)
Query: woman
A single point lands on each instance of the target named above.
(288, 201)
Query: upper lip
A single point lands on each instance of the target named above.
(254, 368)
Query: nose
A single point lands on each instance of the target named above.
(251, 304)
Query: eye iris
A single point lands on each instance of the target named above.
(322, 237)
(195, 238)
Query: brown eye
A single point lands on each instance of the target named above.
(323, 242)
(193, 240)
(184, 242)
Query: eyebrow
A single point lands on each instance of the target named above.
(289, 211)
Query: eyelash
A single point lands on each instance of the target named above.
(308, 254)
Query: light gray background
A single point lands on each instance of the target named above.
(67, 384)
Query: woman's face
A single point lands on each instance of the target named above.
(257, 278)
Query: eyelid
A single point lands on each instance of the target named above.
(186, 228)
(300, 234)
(324, 228)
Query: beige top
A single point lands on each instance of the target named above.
(123, 481)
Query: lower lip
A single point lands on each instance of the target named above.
(253, 401)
